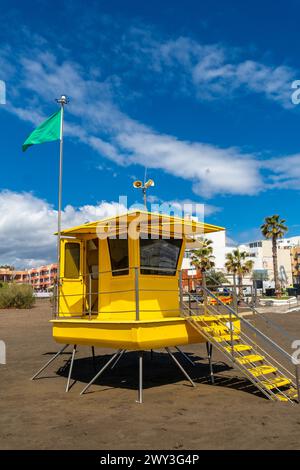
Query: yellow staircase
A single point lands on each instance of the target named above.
(263, 370)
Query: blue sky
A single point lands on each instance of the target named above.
(198, 91)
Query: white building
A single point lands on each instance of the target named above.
(219, 250)
(260, 252)
(290, 242)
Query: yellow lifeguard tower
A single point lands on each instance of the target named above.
(120, 286)
(120, 282)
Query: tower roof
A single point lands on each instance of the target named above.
(142, 222)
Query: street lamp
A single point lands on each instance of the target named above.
(139, 185)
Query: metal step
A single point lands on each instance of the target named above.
(275, 383)
(239, 348)
(276, 386)
(291, 394)
(250, 359)
(262, 370)
(222, 338)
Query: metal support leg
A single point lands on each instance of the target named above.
(118, 358)
(185, 356)
(140, 394)
(100, 371)
(49, 362)
(209, 354)
(94, 359)
(180, 367)
(71, 367)
(151, 354)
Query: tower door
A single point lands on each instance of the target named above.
(92, 275)
(71, 298)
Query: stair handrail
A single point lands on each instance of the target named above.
(246, 322)
(257, 346)
(254, 310)
(269, 393)
(273, 323)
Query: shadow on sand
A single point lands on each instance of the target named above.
(158, 369)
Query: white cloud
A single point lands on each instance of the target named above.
(211, 169)
(214, 71)
(284, 172)
(28, 223)
(125, 141)
(94, 118)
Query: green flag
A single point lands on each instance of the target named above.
(46, 132)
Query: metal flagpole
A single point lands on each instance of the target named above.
(62, 101)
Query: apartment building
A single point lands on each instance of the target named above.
(41, 278)
(260, 252)
(6, 275)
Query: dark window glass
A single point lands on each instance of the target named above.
(72, 260)
(118, 251)
(159, 256)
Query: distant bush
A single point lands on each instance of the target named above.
(16, 296)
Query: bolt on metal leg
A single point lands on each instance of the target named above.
(118, 358)
(185, 356)
(180, 367)
(140, 393)
(100, 371)
(209, 354)
(49, 362)
(71, 367)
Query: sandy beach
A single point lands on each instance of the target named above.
(40, 415)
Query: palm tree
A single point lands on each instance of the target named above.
(216, 278)
(238, 264)
(202, 258)
(273, 228)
